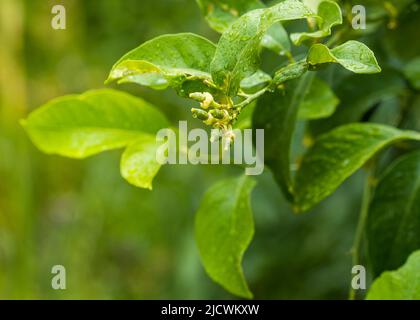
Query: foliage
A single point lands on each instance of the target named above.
(224, 229)
(228, 78)
(401, 284)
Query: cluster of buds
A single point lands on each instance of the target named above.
(218, 115)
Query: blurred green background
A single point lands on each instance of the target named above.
(117, 241)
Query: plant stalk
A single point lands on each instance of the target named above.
(361, 225)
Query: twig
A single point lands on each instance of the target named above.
(361, 225)
(250, 98)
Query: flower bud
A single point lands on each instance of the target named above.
(205, 98)
(218, 114)
(200, 114)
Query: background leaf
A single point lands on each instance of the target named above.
(244, 120)
(276, 113)
(78, 126)
(224, 228)
(378, 9)
(330, 16)
(237, 54)
(394, 215)
(220, 14)
(168, 60)
(255, 82)
(402, 284)
(319, 102)
(338, 154)
(312, 4)
(352, 55)
(412, 72)
(289, 72)
(372, 91)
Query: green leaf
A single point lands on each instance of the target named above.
(276, 113)
(372, 91)
(399, 41)
(337, 155)
(312, 4)
(138, 163)
(330, 16)
(319, 102)
(402, 284)
(412, 72)
(237, 54)
(379, 9)
(224, 228)
(220, 14)
(244, 120)
(276, 39)
(394, 215)
(79, 126)
(352, 55)
(255, 82)
(289, 72)
(168, 60)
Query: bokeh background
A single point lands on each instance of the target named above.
(120, 242)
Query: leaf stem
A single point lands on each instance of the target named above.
(290, 57)
(337, 36)
(360, 230)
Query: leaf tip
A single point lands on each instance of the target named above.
(249, 295)
(109, 79)
(137, 183)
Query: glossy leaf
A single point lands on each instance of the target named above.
(289, 72)
(276, 113)
(352, 55)
(312, 4)
(224, 228)
(220, 14)
(394, 215)
(79, 126)
(330, 16)
(412, 72)
(138, 163)
(401, 284)
(237, 54)
(255, 82)
(319, 102)
(338, 154)
(276, 39)
(244, 120)
(399, 41)
(168, 60)
(372, 90)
